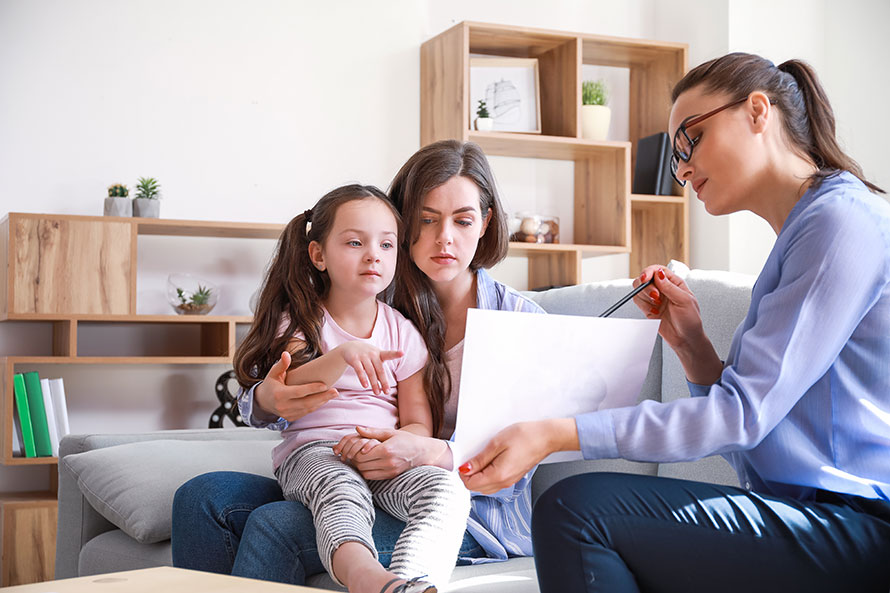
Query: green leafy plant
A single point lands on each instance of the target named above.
(482, 110)
(594, 92)
(118, 190)
(194, 302)
(148, 188)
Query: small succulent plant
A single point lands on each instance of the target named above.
(482, 110)
(148, 188)
(118, 190)
(594, 92)
(195, 302)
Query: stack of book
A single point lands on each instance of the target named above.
(41, 418)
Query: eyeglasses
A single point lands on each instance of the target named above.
(683, 144)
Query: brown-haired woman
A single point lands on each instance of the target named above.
(454, 228)
(801, 406)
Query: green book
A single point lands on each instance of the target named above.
(38, 415)
(21, 404)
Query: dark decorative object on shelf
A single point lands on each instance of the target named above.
(652, 172)
(228, 405)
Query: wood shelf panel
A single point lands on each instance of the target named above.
(15, 460)
(659, 234)
(646, 198)
(584, 250)
(118, 360)
(99, 318)
(519, 42)
(28, 496)
(63, 265)
(544, 147)
(444, 87)
(170, 226)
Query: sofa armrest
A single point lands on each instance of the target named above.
(78, 521)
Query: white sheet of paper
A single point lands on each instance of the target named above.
(527, 366)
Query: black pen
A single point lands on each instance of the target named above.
(627, 297)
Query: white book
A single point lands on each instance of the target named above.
(60, 407)
(50, 417)
(17, 449)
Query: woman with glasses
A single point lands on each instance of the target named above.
(801, 406)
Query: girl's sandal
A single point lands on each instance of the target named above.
(414, 585)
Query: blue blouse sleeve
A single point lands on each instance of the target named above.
(832, 269)
(245, 406)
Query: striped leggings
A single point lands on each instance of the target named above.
(433, 503)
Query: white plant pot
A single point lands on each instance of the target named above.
(595, 122)
(146, 208)
(118, 207)
(484, 124)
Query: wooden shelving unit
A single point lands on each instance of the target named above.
(608, 218)
(77, 272)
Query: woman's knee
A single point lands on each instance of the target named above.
(214, 492)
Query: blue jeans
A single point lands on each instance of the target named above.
(631, 533)
(238, 523)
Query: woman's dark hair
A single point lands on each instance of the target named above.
(795, 89)
(294, 289)
(413, 295)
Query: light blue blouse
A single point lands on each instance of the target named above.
(804, 399)
(501, 522)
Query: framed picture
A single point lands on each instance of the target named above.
(510, 89)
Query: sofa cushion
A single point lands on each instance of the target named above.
(133, 485)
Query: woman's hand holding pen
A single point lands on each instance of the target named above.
(670, 300)
(279, 400)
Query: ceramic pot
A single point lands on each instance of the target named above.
(595, 122)
(484, 124)
(146, 208)
(118, 207)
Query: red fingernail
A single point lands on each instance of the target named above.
(661, 274)
(642, 276)
(465, 468)
(654, 311)
(653, 294)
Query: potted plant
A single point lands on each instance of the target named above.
(484, 121)
(189, 295)
(117, 203)
(146, 203)
(595, 115)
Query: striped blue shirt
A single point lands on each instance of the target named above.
(804, 399)
(501, 522)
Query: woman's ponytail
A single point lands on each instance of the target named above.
(815, 125)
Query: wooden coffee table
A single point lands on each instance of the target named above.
(165, 579)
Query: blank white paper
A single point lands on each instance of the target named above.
(527, 366)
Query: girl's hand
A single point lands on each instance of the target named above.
(290, 402)
(397, 452)
(368, 363)
(353, 444)
(670, 300)
(515, 450)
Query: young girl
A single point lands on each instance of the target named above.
(319, 305)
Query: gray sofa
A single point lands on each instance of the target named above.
(115, 491)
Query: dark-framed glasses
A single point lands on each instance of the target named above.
(683, 144)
